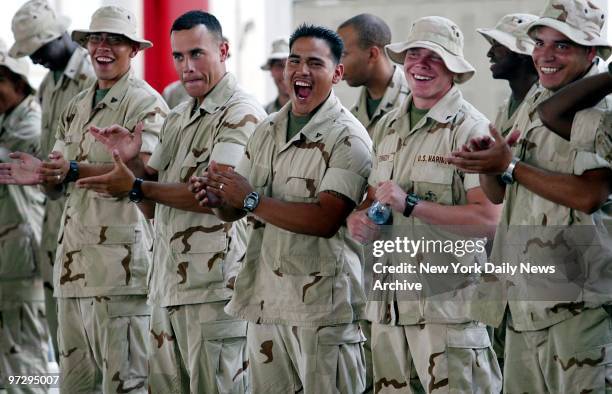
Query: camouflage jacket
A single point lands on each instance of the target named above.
(196, 255)
(104, 243)
(297, 279)
(21, 208)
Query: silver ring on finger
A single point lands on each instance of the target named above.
(221, 187)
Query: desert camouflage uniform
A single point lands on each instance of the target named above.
(592, 132)
(301, 290)
(430, 342)
(197, 256)
(394, 96)
(557, 329)
(104, 250)
(273, 106)
(503, 123)
(54, 97)
(23, 327)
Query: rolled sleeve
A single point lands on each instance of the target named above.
(227, 153)
(345, 182)
(471, 181)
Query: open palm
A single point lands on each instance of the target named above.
(23, 171)
(120, 139)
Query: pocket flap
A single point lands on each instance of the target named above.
(128, 308)
(340, 335)
(109, 235)
(224, 329)
(468, 338)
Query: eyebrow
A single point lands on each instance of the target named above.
(294, 56)
(192, 50)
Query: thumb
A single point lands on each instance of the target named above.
(138, 131)
(117, 158)
(495, 134)
(513, 137)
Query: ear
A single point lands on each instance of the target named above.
(374, 53)
(134, 51)
(223, 50)
(592, 52)
(338, 72)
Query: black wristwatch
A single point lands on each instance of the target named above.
(73, 172)
(411, 201)
(136, 194)
(251, 201)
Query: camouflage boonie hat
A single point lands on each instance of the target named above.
(18, 66)
(115, 20)
(441, 36)
(511, 32)
(34, 25)
(280, 50)
(580, 20)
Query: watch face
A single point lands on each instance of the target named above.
(507, 178)
(250, 202)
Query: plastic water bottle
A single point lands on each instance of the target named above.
(379, 213)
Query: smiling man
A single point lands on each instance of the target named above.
(429, 343)
(195, 345)
(303, 172)
(553, 192)
(41, 35)
(104, 246)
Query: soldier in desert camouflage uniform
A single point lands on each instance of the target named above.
(104, 250)
(41, 35)
(430, 343)
(300, 288)
(559, 331)
(23, 328)
(195, 345)
(383, 85)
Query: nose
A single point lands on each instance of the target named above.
(490, 53)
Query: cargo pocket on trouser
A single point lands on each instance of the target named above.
(224, 344)
(126, 348)
(340, 361)
(472, 364)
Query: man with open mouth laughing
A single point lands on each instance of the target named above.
(429, 343)
(303, 172)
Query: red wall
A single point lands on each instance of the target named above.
(158, 18)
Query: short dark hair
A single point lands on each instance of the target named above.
(371, 30)
(193, 18)
(332, 38)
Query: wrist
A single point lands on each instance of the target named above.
(71, 172)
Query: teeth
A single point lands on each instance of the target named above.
(422, 78)
(104, 59)
(549, 70)
(302, 83)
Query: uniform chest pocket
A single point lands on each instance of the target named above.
(193, 160)
(433, 183)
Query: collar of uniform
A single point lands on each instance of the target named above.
(220, 94)
(317, 126)
(75, 64)
(442, 112)
(117, 92)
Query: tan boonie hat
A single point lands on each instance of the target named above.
(511, 32)
(34, 25)
(115, 20)
(280, 50)
(18, 66)
(441, 36)
(580, 20)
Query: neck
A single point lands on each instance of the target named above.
(378, 83)
(428, 103)
(521, 83)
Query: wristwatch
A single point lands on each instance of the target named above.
(73, 172)
(136, 195)
(411, 201)
(507, 176)
(251, 201)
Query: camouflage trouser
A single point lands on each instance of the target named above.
(23, 344)
(197, 349)
(366, 328)
(439, 358)
(51, 310)
(573, 356)
(103, 344)
(287, 359)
